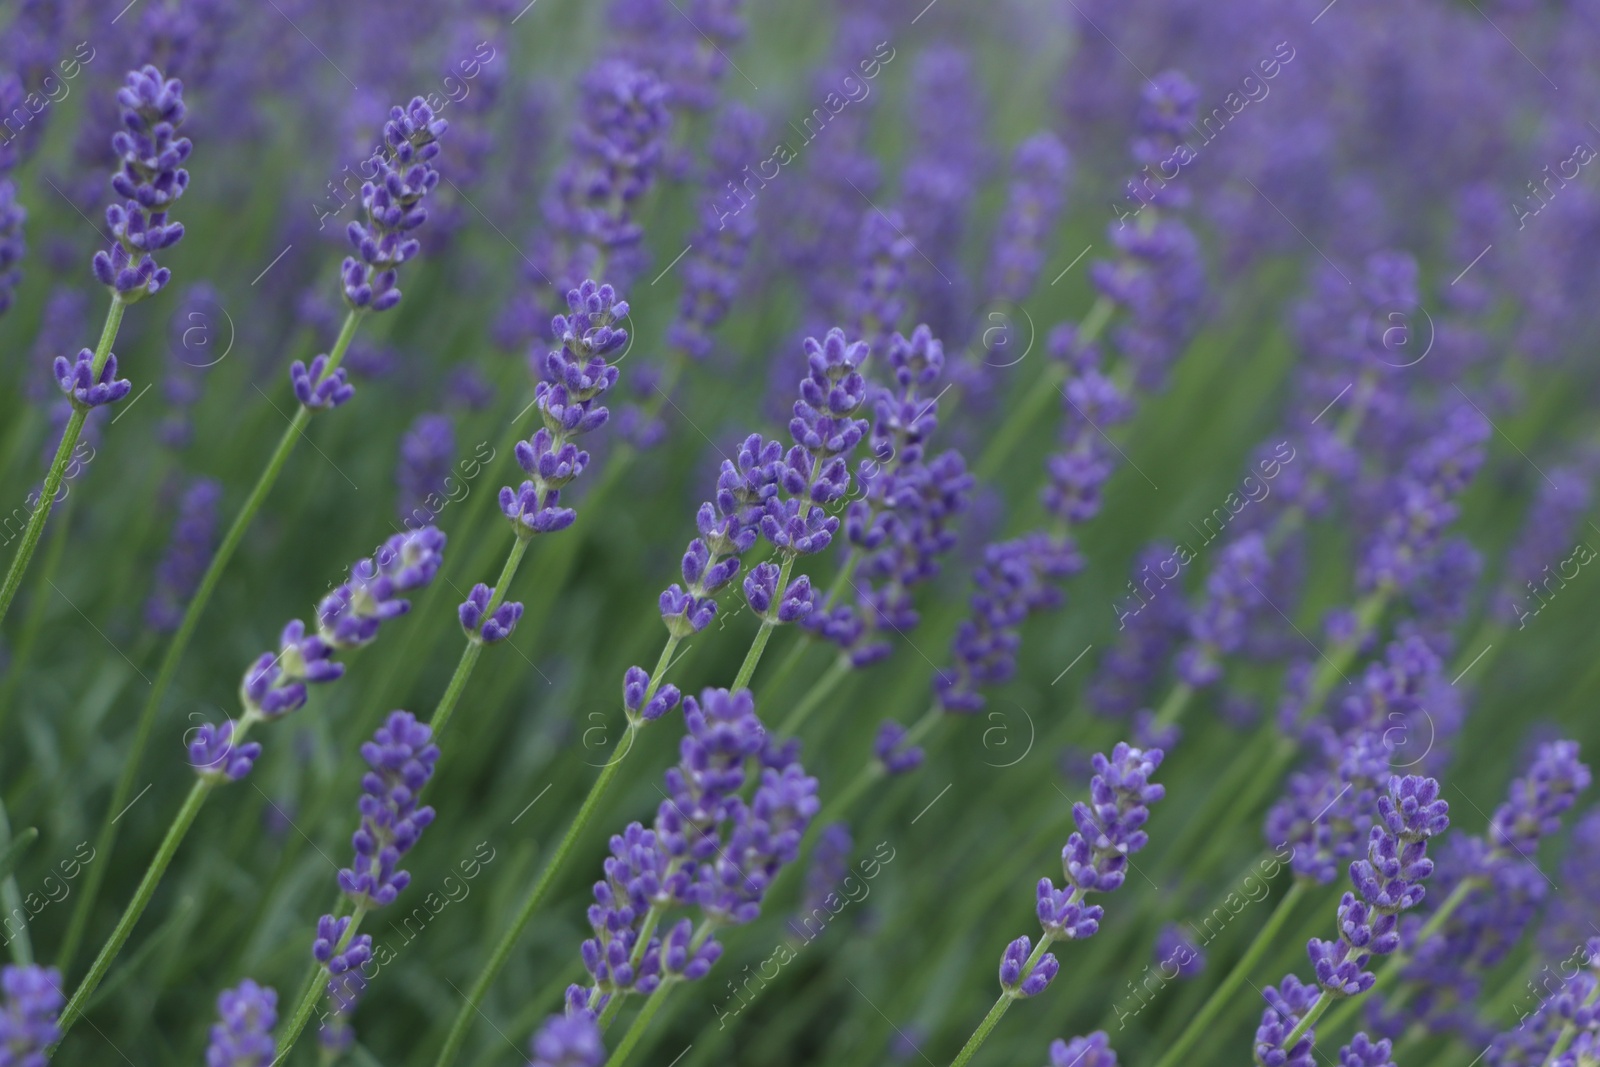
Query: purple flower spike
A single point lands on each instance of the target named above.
(315, 388)
(1030, 984)
(351, 615)
(1286, 1004)
(28, 1021)
(498, 626)
(568, 1041)
(896, 757)
(150, 178)
(1539, 799)
(635, 684)
(1362, 1051)
(1177, 953)
(87, 389)
(401, 755)
(187, 556)
(393, 205)
(213, 754)
(243, 1037)
(574, 379)
(1092, 1051)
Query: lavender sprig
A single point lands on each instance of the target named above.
(1095, 860)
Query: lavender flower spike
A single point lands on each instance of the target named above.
(575, 377)
(151, 178)
(28, 1019)
(393, 203)
(1092, 1051)
(243, 1037)
(402, 755)
(214, 755)
(568, 1041)
(1017, 978)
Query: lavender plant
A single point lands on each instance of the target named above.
(1205, 386)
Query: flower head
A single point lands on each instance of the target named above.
(243, 1036)
(392, 200)
(87, 389)
(401, 756)
(150, 178)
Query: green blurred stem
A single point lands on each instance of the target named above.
(1037, 399)
(641, 1023)
(1224, 992)
(180, 642)
(312, 993)
(34, 622)
(58, 466)
(469, 655)
(141, 899)
(825, 684)
(1001, 1005)
(542, 885)
(20, 944)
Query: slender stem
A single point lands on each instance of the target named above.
(180, 642)
(1173, 707)
(1224, 992)
(641, 1022)
(34, 622)
(469, 655)
(313, 991)
(825, 684)
(530, 905)
(20, 943)
(1001, 1006)
(58, 466)
(141, 899)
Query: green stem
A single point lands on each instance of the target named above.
(1173, 707)
(641, 1022)
(825, 684)
(1224, 992)
(107, 838)
(469, 655)
(141, 899)
(313, 992)
(58, 466)
(998, 1011)
(34, 622)
(530, 905)
(20, 943)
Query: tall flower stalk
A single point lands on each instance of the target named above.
(393, 209)
(275, 685)
(150, 179)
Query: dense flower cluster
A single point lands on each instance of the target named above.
(1387, 882)
(1094, 860)
(243, 1036)
(903, 519)
(1011, 586)
(151, 178)
(392, 200)
(573, 379)
(401, 756)
(709, 849)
